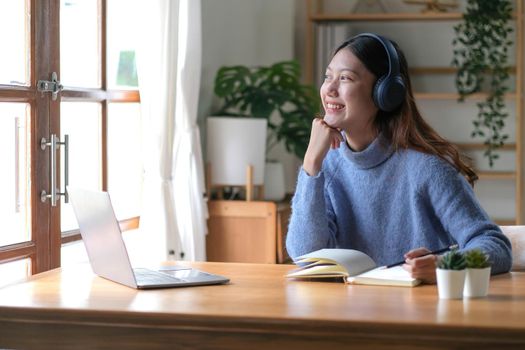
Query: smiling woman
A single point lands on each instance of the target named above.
(377, 178)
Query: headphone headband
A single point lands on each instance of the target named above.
(391, 52)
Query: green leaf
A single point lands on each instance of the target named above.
(230, 80)
(479, 52)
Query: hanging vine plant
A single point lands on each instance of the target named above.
(481, 55)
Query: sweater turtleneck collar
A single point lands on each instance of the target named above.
(376, 153)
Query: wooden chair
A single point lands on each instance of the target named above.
(516, 235)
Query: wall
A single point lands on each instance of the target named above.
(245, 32)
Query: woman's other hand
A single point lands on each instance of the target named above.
(421, 265)
(322, 138)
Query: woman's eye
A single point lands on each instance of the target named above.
(345, 77)
(327, 77)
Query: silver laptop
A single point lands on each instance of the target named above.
(107, 252)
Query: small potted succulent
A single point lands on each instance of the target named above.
(450, 275)
(478, 273)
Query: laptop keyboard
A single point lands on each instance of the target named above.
(150, 277)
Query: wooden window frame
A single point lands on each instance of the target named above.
(44, 249)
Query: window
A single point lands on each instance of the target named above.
(98, 108)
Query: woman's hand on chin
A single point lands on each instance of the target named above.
(322, 138)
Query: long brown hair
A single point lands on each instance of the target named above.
(405, 126)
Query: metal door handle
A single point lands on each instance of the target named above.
(55, 193)
(66, 168)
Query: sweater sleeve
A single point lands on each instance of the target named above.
(461, 215)
(312, 224)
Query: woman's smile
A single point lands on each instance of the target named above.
(334, 108)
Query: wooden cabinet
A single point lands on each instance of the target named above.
(247, 231)
(505, 207)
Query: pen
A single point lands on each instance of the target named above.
(439, 251)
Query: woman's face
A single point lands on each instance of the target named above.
(347, 93)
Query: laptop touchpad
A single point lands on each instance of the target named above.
(190, 274)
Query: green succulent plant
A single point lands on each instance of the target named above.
(453, 260)
(477, 259)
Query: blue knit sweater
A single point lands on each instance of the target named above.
(386, 203)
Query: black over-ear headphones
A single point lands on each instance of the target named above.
(389, 90)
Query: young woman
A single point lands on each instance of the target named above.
(377, 178)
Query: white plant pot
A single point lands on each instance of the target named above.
(477, 283)
(450, 283)
(274, 181)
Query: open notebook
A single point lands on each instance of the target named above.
(352, 265)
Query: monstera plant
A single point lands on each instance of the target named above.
(481, 55)
(262, 92)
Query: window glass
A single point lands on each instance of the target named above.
(80, 43)
(14, 26)
(122, 71)
(82, 122)
(14, 177)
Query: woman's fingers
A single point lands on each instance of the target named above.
(323, 137)
(421, 267)
(427, 275)
(414, 253)
(336, 140)
(334, 134)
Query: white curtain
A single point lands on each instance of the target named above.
(188, 172)
(174, 211)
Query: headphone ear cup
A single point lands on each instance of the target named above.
(389, 93)
(377, 93)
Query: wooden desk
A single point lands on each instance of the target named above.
(259, 309)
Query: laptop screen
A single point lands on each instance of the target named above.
(102, 236)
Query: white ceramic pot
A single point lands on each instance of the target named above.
(450, 283)
(477, 283)
(274, 181)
